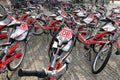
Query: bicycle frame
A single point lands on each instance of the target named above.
(3, 35)
(49, 26)
(93, 40)
(7, 59)
(56, 64)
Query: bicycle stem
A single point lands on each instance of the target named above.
(54, 72)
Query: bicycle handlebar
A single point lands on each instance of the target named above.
(41, 73)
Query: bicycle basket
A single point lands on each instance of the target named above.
(20, 33)
(63, 39)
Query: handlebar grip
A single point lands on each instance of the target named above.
(41, 74)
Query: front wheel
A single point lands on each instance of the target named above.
(14, 64)
(102, 57)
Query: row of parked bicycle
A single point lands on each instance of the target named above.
(91, 25)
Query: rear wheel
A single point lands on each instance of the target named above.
(14, 64)
(102, 57)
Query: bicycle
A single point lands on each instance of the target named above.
(13, 52)
(111, 47)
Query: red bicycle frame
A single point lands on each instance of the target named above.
(57, 66)
(8, 58)
(94, 39)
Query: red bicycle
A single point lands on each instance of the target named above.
(13, 52)
(111, 47)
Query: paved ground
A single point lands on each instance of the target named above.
(79, 69)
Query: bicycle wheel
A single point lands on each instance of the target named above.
(101, 59)
(14, 64)
(37, 30)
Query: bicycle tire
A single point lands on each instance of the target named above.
(13, 65)
(98, 56)
(37, 30)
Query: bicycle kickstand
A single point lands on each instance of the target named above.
(88, 53)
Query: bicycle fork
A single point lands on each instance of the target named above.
(56, 66)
